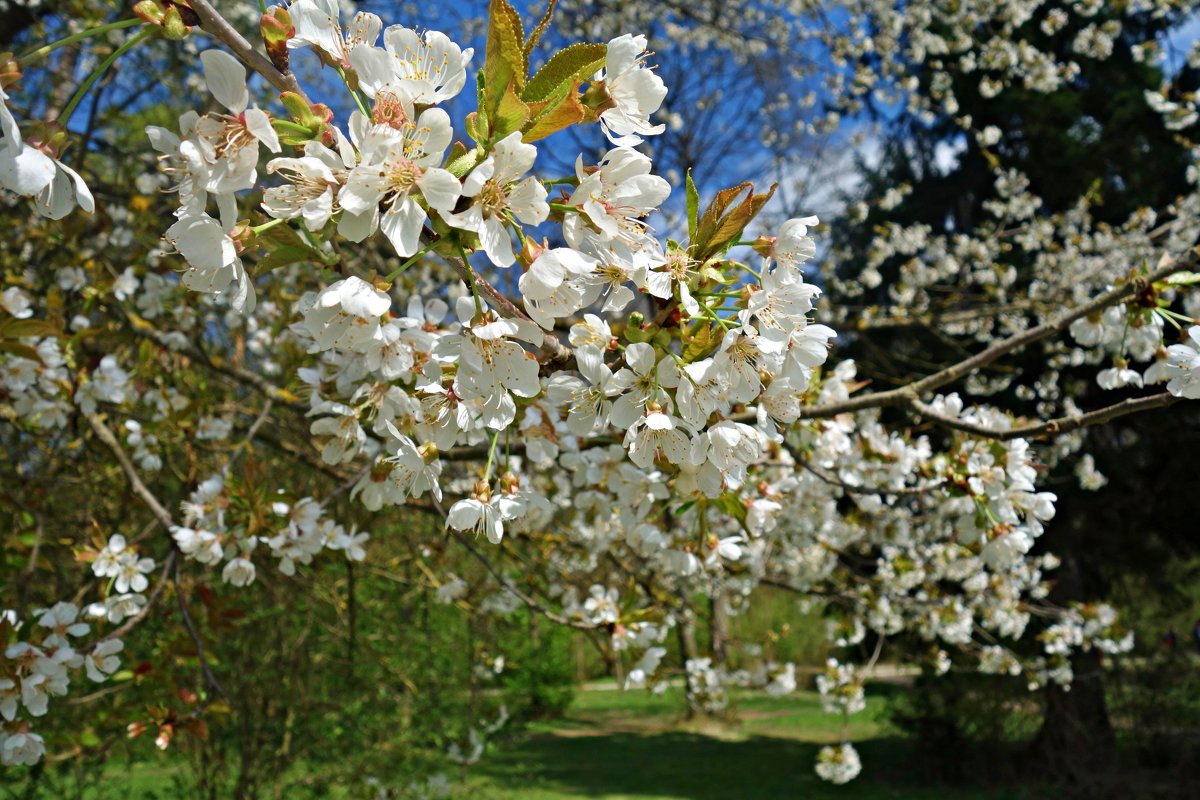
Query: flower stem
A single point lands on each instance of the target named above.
(471, 280)
(38, 53)
(391, 276)
(257, 229)
(487, 472)
(724, 323)
(100, 70)
(357, 100)
(1169, 317)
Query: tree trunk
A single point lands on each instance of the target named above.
(719, 625)
(686, 631)
(1076, 741)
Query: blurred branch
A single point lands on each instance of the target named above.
(209, 678)
(104, 434)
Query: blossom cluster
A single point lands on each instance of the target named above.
(37, 664)
(298, 531)
(651, 416)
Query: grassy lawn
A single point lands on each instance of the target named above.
(636, 746)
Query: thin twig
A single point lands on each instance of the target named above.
(248, 377)
(904, 395)
(524, 598)
(209, 677)
(245, 445)
(133, 621)
(555, 350)
(849, 489)
(347, 484)
(533, 604)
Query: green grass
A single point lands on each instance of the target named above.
(637, 746)
(692, 766)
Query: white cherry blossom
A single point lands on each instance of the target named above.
(498, 194)
(635, 90)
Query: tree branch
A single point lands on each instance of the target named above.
(555, 349)
(1051, 427)
(106, 435)
(904, 395)
(533, 604)
(214, 24)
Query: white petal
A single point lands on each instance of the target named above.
(402, 225)
(258, 123)
(440, 188)
(640, 357)
(496, 242)
(358, 227)
(464, 514)
(26, 173)
(202, 241)
(226, 80)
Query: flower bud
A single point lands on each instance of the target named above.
(152, 11)
(429, 452)
(174, 27)
(530, 251)
(765, 246)
(175, 20)
(276, 28)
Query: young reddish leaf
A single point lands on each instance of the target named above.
(556, 115)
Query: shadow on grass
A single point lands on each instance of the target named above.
(692, 766)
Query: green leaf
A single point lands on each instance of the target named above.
(699, 343)
(13, 328)
(578, 60)
(721, 225)
(460, 164)
(471, 123)
(504, 57)
(283, 246)
(22, 350)
(731, 505)
(293, 134)
(682, 508)
(693, 205)
(1183, 278)
(536, 36)
(284, 257)
(716, 210)
(511, 114)
(477, 124)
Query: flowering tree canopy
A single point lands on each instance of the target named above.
(328, 296)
